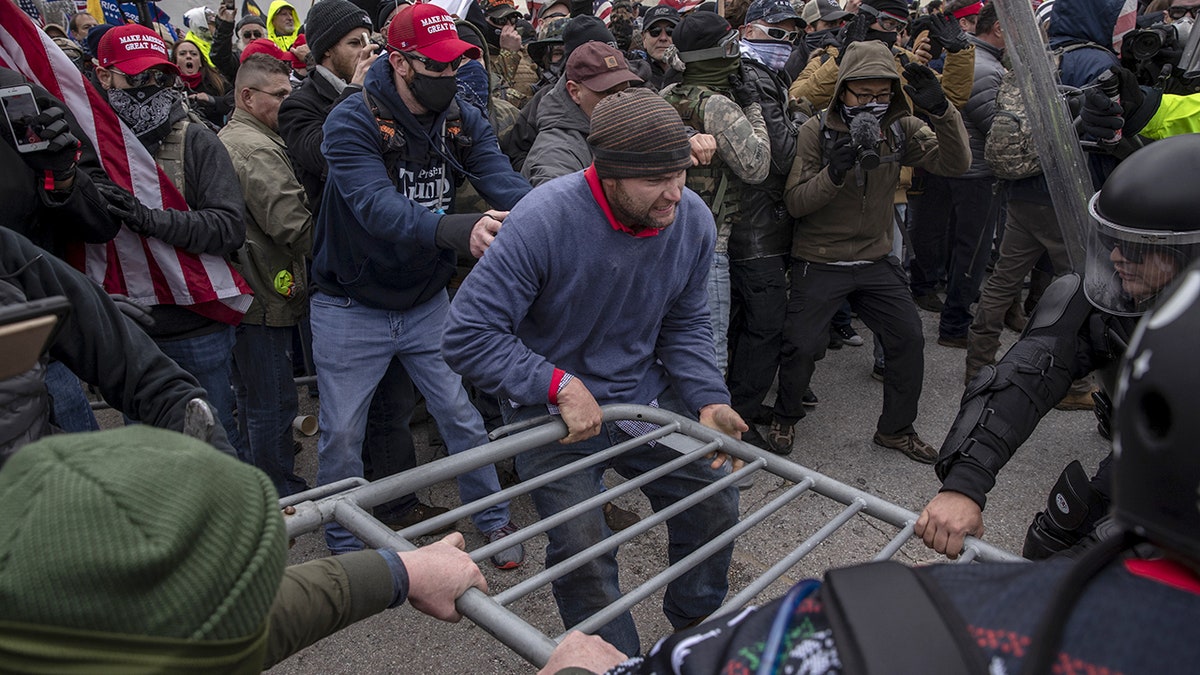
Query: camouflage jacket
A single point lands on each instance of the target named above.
(743, 150)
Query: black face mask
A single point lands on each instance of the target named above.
(886, 37)
(145, 110)
(435, 93)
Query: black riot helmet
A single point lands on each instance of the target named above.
(1145, 226)
(1156, 470)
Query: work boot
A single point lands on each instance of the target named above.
(780, 437)
(417, 514)
(618, 518)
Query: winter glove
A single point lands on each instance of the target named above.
(743, 91)
(841, 159)
(1101, 116)
(945, 31)
(134, 310)
(924, 89)
(127, 208)
(855, 30)
(60, 156)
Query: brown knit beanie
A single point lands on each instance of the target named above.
(636, 133)
(138, 531)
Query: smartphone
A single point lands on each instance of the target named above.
(27, 330)
(20, 107)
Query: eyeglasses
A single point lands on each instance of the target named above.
(885, 97)
(659, 30)
(154, 76)
(434, 66)
(510, 19)
(252, 35)
(780, 34)
(889, 23)
(1177, 13)
(278, 95)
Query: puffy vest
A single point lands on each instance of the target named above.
(716, 183)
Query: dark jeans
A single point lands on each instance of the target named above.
(267, 401)
(594, 585)
(70, 409)
(952, 227)
(209, 358)
(761, 288)
(388, 446)
(879, 292)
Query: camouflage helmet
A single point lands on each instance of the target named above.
(550, 32)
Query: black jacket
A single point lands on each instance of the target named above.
(300, 120)
(765, 229)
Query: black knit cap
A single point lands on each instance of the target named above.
(897, 9)
(700, 30)
(329, 21)
(636, 133)
(583, 29)
(248, 19)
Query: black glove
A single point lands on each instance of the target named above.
(126, 208)
(743, 91)
(134, 310)
(855, 30)
(924, 89)
(60, 156)
(945, 31)
(1101, 116)
(841, 159)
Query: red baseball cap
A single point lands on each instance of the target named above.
(132, 48)
(428, 30)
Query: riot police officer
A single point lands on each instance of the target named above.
(1144, 234)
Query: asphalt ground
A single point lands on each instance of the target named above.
(835, 439)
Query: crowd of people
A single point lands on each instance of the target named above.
(680, 206)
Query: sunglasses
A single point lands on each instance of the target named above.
(252, 35)
(1177, 13)
(434, 66)
(891, 23)
(510, 19)
(659, 30)
(1129, 251)
(158, 78)
(780, 34)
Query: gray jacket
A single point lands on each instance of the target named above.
(561, 144)
(981, 107)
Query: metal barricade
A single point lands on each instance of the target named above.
(351, 506)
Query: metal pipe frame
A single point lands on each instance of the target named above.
(349, 502)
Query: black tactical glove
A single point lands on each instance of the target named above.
(127, 208)
(945, 31)
(743, 91)
(924, 89)
(134, 310)
(855, 30)
(1101, 116)
(60, 156)
(841, 159)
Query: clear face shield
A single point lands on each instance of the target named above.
(1127, 268)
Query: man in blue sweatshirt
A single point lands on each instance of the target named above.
(595, 295)
(384, 249)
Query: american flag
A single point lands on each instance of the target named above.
(146, 269)
(602, 9)
(682, 6)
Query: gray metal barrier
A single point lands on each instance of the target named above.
(308, 511)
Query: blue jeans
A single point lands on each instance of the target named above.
(267, 403)
(72, 412)
(593, 586)
(209, 358)
(352, 346)
(718, 307)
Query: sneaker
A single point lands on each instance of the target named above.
(848, 336)
(910, 444)
(809, 400)
(417, 514)
(953, 342)
(618, 518)
(780, 438)
(1077, 401)
(510, 558)
(930, 303)
(877, 372)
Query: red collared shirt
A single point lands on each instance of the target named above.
(593, 182)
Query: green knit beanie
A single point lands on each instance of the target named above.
(138, 531)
